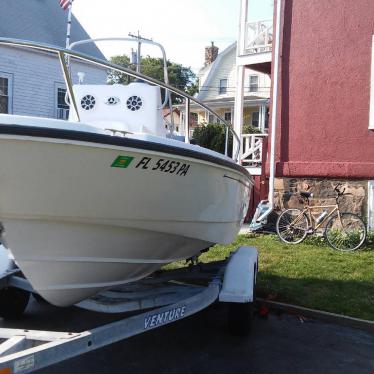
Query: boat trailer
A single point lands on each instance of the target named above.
(165, 297)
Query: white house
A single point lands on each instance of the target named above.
(31, 83)
(218, 80)
(217, 84)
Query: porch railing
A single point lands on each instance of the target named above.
(252, 146)
(259, 36)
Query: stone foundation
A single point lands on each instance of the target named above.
(287, 194)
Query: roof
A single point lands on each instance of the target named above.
(166, 111)
(41, 21)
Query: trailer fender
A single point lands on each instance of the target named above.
(240, 276)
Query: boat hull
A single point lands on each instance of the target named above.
(80, 217)
(75, 261)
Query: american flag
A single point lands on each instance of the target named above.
(64, 4)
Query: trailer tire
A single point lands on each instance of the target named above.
(13, 302)
(240, 317)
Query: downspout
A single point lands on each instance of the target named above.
(274, 113)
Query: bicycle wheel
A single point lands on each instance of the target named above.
(345, 233)
(292, 226)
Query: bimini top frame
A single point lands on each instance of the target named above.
(63, 53)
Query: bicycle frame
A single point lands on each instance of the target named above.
(308, 212)
(312, 219)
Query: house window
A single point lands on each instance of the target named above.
(267, 118)
(371, 114)
(253, 83)
(211, 118)
(5, 93)
(62, 109)
(194, 118)
(4, 99)
(228, 116)
(222, 86)
(255, 119)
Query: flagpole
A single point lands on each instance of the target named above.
(68, 28)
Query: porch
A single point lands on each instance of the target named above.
(252, 155)
(253, 130)
(254, 53)
(255, 44)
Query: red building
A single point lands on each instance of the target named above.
(324, 129)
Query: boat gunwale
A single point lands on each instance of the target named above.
(76, 135)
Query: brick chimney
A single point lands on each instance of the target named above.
(211, 54)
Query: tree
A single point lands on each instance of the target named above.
(115, 76)
(179, 76)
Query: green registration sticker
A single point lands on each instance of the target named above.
(122, 162)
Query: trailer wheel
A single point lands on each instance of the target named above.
(240, 317)
(13, 302)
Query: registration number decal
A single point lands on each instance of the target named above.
(122, 162)
(164, 165)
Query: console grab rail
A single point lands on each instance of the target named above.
(136, 40)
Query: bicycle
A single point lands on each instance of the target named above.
(343, 231)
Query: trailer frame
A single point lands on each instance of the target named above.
(167, 297)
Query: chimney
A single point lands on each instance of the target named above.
(211, 54)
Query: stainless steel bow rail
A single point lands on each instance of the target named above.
(63, 53)
(167, 297)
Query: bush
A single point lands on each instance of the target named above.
(212, 136)
(249, 129)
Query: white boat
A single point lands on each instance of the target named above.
(108, 199)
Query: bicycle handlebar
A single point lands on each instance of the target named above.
(338, 191)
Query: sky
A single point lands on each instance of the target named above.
(184, 28)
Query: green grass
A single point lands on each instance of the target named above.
(310, 274)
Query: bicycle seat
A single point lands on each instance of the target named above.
(305, 194)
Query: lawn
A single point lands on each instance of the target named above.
(310, 274)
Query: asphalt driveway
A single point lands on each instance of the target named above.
(201, 344)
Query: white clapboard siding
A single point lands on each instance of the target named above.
(34, 77)
(224, 67)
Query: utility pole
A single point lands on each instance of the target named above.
(138, 53)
